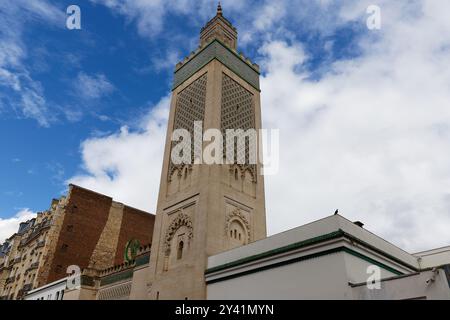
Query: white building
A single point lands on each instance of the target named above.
(51, 291)
(332, 258)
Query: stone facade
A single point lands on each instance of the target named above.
(84, 228)
(210, 237)
(24, 255)
(120, 282)
(206, 209)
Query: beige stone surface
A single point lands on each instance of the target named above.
(204, 203)
(105, 250)
(25, 265)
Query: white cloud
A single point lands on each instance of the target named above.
(127, 165)
(23, 92)
(93, 86)
(371, 135)
(10, 226)
(149, 15)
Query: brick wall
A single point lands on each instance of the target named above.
(85, 218)
(136, 224)
(86, 215)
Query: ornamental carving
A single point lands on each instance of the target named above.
(244, 168)
(179, 168)
(236, 215)
(237, 112)
(182, 220)
(190, 107)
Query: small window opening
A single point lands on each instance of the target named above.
(180, 250)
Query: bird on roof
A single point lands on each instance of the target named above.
(336, 212)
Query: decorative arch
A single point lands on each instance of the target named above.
(182, 220)
(180, 169)
(236, 215)
(244, 168)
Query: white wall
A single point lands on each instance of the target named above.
(319, 278)
(411, 287)
(434, 258)
(52, 291)
(357, 269)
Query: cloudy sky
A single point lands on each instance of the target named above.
(364, 115)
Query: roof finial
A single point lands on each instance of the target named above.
(219, 9)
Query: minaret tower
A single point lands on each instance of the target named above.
(205, 209)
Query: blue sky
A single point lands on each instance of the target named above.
(366, 133)
(40, 155)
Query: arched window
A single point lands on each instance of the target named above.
(180, 250)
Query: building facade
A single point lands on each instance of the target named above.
(204, 209)
(332, 258)
(52, 291)
(209, 240)
(84, 229)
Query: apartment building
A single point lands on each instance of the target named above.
(83, 229)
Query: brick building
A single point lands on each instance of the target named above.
(84, 228)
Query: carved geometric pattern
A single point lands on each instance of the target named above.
(236, 215)
(180, 221)
(120, 292)
(220, 52)
(237, 112)
(190, 107)
(242, 169)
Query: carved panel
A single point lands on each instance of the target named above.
(236, 216)
(118, 292)
(216, 50)
(182, 220)
(237, 112)
(190, 107)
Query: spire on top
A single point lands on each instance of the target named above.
(219, 28)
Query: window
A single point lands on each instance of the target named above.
(57, 295)
(180, 250)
